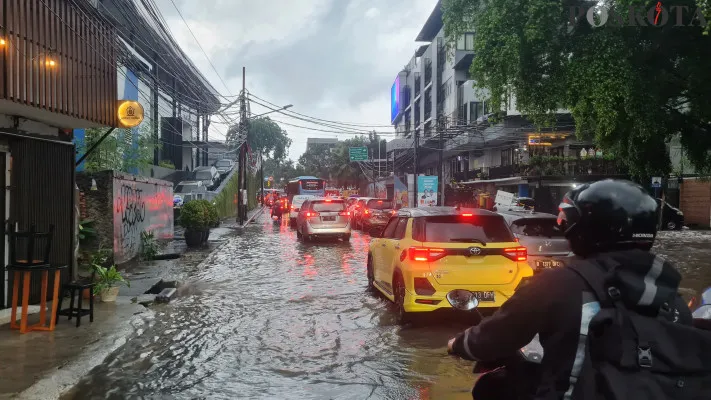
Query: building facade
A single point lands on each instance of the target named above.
(55, 81)
(436, 109)
(176, 97)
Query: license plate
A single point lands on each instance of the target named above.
(548, 264)
(485, 296)
(329, 218)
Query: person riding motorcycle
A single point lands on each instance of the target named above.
(609, 219)
(277, 207)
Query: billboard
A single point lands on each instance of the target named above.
(427, 187)
(395, 100)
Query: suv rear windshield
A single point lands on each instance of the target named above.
(380, 204)
(453, 228)
(328, 206)
(223, 163)
(186, 188)
(543, 227)
(204, 175)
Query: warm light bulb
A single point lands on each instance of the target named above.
(51, 63)
(2, 42)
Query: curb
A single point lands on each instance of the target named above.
(250, 219)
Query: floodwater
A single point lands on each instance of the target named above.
(270, 317)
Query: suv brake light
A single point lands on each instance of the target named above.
(516, 253)
(311, 214)
(345, 214)
(427, 254)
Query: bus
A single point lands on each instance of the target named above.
(306, 185)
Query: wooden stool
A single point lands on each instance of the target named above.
(72, 288)
(22, 275)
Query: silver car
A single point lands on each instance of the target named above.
(540, 234)
(296, 203)
(323, 218)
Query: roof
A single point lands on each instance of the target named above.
(441, 211)
(432, 26)
(421, 50)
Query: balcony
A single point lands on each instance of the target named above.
(561, 166)
(428, 71)
(466, 176)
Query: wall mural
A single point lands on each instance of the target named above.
(139, 207)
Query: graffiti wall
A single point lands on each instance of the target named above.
(140, 205)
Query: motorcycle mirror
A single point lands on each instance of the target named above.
(462, 299)
(703, 312)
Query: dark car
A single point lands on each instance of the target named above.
(541, 235)
(672, 217)
(373, 213)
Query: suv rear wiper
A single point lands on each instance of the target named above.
(468, 240)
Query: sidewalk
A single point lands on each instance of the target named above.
(43, 365)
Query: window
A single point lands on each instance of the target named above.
(487, 229)
(223, 163)
(401, 228)
(507, 157)
(389, 231)
(204, 175)
(328, 206)
(185, 188)
(476, 110)
(380, 204)
(542, 227)
(466, 42)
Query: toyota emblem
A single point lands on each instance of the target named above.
(474, 251)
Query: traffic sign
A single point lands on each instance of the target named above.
(656, 182)
(358, 153)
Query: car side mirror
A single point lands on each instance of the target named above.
(376, 232)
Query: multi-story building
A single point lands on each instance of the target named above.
(435, 104)
(321, 142)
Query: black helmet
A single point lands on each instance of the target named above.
(608, 215)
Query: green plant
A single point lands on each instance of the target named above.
(166, 164)
(107, 278)
(198, 215)
(87, 232)
(149, 245)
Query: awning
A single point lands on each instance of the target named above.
(511, 181)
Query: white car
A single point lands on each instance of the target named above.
(296, 203)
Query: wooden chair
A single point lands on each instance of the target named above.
(30, 248)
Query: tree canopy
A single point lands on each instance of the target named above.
(119, 151)
(629, 88)
(334, 163)
(266, 135)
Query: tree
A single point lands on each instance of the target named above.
(334, 163)
(117, 152)
(285, 169)
(630, 89)
(267, 136)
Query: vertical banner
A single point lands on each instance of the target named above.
(427, 187)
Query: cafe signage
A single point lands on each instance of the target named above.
(129, 114)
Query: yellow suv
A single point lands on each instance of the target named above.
(425, 252)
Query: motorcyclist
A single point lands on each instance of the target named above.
(609, 218)
(277, 206)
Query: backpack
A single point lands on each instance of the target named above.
(632, 344)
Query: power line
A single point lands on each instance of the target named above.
(201, 48)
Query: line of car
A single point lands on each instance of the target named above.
(205, 179)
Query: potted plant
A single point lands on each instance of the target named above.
(195, 219)
(107, 285)
(212, 216)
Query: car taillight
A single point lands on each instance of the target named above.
(345, 214)
(293, 208)
(426, 254)
(516, 253)
(366, 212)
(311, 214)
(467, 215)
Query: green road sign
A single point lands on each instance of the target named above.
(358, 153)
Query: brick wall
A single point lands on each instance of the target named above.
(98, 206)
(695, 202)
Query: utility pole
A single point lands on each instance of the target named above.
(241, 140)
(441, 160)
(416, 143)
(261, 176)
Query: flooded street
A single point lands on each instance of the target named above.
(271, 317)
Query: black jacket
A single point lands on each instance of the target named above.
(550, 305)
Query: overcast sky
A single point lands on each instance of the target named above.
(332, 59)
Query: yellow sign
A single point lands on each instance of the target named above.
(130, 114)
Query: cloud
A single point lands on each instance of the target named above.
(331, 59)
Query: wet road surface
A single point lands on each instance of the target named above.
(271, 317)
